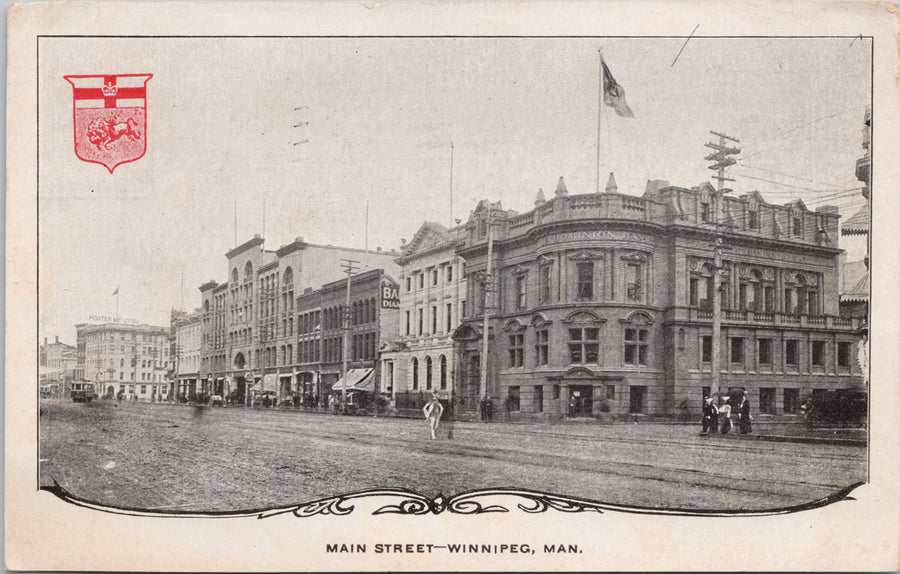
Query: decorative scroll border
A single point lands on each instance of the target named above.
(408, 502)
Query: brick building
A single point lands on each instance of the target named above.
(320, 330)
(249, 336)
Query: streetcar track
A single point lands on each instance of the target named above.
(541, 458)
(222, 470)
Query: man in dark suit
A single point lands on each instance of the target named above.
(710, 416)
(744, 410)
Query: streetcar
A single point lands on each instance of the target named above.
(82, 392)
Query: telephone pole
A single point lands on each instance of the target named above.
(488, 301)
(349, 266)
(722, 159)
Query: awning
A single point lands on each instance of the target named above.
(356, 380)
(267, 383)
(858, 223)
(858, 293)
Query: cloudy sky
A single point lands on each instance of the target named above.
(315, 128)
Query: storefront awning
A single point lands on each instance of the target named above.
(267, 383)
(356, 380)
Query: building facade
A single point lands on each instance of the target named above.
(248, 326)
(601, 303)
(57, 363)
(124, 357)
(432, 301)
(320, 323)
(185, 355)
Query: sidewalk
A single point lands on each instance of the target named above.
(801, 433)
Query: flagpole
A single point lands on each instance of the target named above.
(117, 304)
(599, 117)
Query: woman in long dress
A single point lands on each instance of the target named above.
(433, 411)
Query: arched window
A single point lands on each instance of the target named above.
(248, 271)
(234, 277)
(288, 277)
(415, 374)
(373, 308)
(355, 314)
(428, 372)
(443, 372)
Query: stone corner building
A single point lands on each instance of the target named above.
(602, 303)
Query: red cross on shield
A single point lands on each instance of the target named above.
(110, 118)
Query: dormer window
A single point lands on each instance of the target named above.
(753, 219)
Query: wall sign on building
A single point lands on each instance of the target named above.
(390, 295)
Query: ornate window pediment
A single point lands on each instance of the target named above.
(518, 270)
(586, 254)
(635, 256)
(538, 320)
(801, 278)
(514, 325)
(638, 318)
(466, 333)
(579, 373)
(583, 318)
(544, 260)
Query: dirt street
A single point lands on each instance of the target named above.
(176, 457)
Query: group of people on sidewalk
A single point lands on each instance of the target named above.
(713, 414)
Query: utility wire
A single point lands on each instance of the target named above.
(742, 164)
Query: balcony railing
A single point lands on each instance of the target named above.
(777, 318)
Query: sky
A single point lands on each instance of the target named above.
(291, 137)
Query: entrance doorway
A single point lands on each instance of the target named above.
(469, 382)
(637, 400)
(581, 400)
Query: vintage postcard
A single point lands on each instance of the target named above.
(451, 286)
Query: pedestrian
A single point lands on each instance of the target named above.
(725, 416)
(433, 411)
(744, 413)
(710, 418)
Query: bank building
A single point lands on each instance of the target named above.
(600, 304)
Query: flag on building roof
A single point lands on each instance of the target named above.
(614, 94)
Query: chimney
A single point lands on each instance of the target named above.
(57, 339)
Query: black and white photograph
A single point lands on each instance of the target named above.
(404, 273)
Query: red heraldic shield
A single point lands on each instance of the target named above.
(110, 118)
